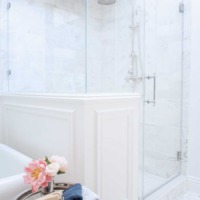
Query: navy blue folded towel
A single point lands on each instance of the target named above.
(73, 193)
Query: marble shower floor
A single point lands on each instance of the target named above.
(189, 196)
(151, 182)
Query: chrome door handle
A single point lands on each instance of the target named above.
(154, 89)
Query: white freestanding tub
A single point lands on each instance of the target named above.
(12, 164)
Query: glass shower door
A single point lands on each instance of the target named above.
(163, 94)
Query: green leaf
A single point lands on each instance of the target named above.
(47, 160)
(60, 172)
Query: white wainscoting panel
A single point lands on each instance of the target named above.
(116, 172)
(97, 134)
(39, 131)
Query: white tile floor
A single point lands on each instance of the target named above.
(189, 196)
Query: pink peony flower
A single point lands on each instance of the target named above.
(61, 161)
(52, 169)
(36, 174)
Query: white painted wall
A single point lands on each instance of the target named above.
(194, 125)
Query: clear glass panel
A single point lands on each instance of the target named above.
(3, 47)
(47, 46)
(162, 121)
(109, 45)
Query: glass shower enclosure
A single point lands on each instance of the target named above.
(66, 46)
(162, 123)
(104, 46)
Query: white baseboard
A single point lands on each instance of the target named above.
(194, 184)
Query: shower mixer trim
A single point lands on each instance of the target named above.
(133, 78)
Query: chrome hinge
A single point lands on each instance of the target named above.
(181, 7)
(9, 72)
(179, 155)
(8, 5)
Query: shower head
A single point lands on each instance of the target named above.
(106, 2)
